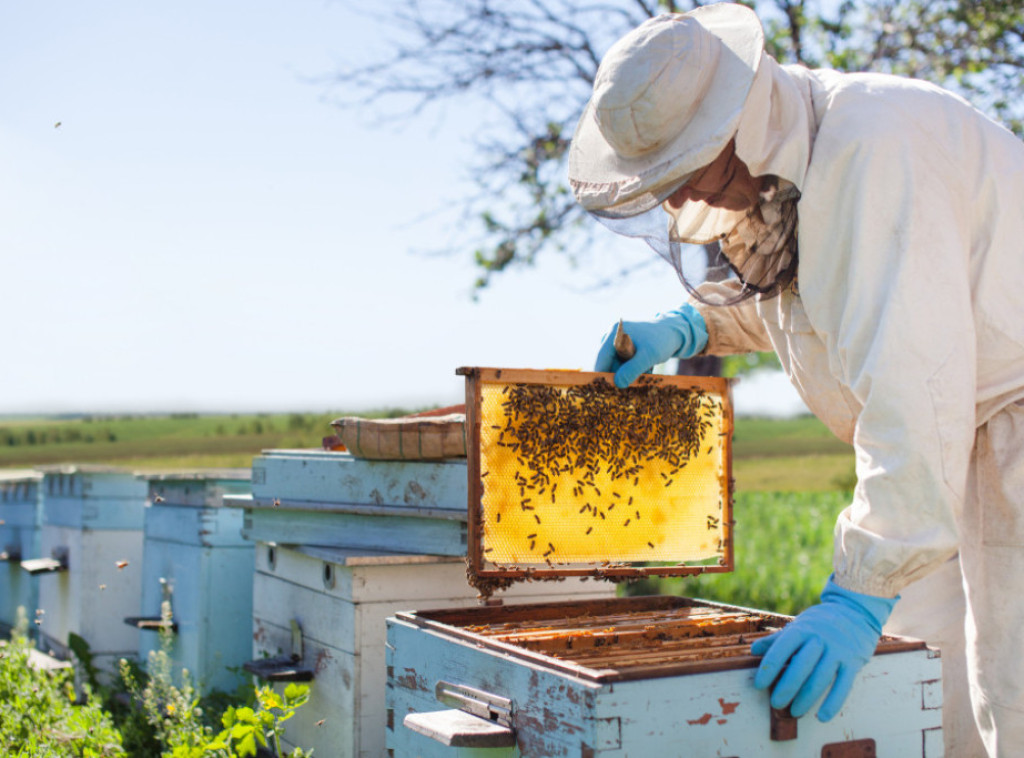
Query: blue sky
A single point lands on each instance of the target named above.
(205, 230)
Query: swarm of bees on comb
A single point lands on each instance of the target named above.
(590, 473)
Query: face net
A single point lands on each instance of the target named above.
(756, 247)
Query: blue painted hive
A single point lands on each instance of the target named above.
(198, 567)
(19, 538)
(89, 564)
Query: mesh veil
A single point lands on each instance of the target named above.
(759, 248)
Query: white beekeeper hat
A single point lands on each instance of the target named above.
(667, 99)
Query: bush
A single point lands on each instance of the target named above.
(42, 715)
(179, 723)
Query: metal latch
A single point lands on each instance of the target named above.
(57, 562)
(479, 703)
(782, 725)
(478, 719)
(283, 668)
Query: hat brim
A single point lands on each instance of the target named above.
(610, 184)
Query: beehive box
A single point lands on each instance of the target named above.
(90, 560)
(315, 497)
(19, 538)
(196, 560)
(647, 676)
(328, 606)
(569, 476)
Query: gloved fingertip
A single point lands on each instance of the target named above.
(824, 714)
(797, 711)
(624, 377)
(761, 646)
(764, 678)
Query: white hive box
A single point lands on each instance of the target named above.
(90, 560)
(19, 538)
(196, 559)
(342, 543)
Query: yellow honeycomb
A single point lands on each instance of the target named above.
(592, 474)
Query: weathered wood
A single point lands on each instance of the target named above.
(712, 709)
(395, 534)
(460, 729)
(335, 477)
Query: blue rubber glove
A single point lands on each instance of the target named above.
(680, 333)
(827, 642)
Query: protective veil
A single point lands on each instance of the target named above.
(905, 335)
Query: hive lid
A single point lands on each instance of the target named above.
(570, 476)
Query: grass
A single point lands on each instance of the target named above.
(157, 442)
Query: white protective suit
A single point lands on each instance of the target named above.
(905, 335)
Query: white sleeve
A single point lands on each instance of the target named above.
(885, 279)
(735, 328)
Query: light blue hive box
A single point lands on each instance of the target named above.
(197, 561)
(19, 538)
(89, 564)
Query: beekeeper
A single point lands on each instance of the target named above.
(876, 229)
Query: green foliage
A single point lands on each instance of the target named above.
(747, 363)
(178, 723)
(783, 548)
(42, 716)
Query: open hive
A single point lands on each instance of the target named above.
(570, 476)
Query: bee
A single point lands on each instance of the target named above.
(158, 499)
(121, 565)
(277, 502)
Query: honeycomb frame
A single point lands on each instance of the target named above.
(616, 455)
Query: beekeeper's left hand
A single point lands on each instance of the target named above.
(681, 333)
(825, 646)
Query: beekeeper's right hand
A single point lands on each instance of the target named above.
(681, 333)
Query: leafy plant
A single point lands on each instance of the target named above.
(42, 715)
(177, 720)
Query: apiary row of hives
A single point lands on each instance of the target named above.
(110, 556)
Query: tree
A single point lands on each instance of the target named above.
(531, 64)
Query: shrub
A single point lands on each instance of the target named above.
(42, 715)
